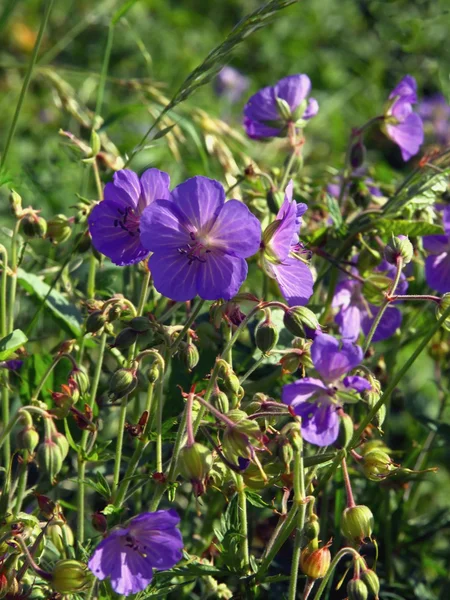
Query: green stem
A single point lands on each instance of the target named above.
(207, 396)
(13, 282)
(227, 335)
(299, 497)
(144, 293)
(26, 82)
(182, 333)
(47, 374)
(287, 171)
(243, 521)
(84, 438)
(253, 368)
(21, 487)
(4, 281)
(342, 552)
(284, 532)
(239, 329)
(384, 306)
(90, 290)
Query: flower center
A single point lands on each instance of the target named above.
(196, 251)
(132, 543)
(128, 220)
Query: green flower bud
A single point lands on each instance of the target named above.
(372, 582)
(266, 335)
(114, 313)
(122, 383)
(357, 590)
(189, 355)
(95, 321)
(15, 202)
(96, 144)
(346, 430)
(34, 226)
(153, 373)
(375, 287)
(126, 338)
(297, 318)
(28, 438)
(70, 576)
(357, 154)
(372, 397)
(194, 464)
(62, 443)
(312, 528)
(399, 247)
(81, 378)
(220, 401)
(283, 109)
(357, 523)
(373, 445)
(315, 563)
(59, 229)
(140, 324)
(290, 363)
(230, 379)
(377, 465)
(50, 458)
(239, 440)
(60, 535)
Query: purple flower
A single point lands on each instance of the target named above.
(435, 113)
(231, 84)
(199, 241)
(114, 223)
(281, 252)
(356, 314)
(316, 401)
(403, 126)
(129, 553)
(12, 365)
(437, 266)
(268, 112)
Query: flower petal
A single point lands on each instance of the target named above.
(356, 383)
(437, 272)
(295, 280)
(154, 186)
(163, 548)
(293, 89)
(199, 200)
(220, 276)
(323, 428)
(106, 555)
(311, 110)
(258, 131)
(160, 519)
(132, 574)
(333, 359)
(388, 325)
(436, 244)
(408, 135)
(162, 227)
(406, 90)
(236, 230)
(349, 321)
(125, 189)
(173, 276)
(301, 390)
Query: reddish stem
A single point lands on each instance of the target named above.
(348, 486)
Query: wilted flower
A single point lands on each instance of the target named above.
(437, 266)
(356, 313)
(270, 111)
(316, 400)
(281, 251)
(129, 553)
(403, 126)
(199, 241)
(114, 223)
(230, 84)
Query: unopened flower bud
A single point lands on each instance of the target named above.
(194, 464)
(375, 287)
(370, 578)
(297, 318)
(399, 247)
(312, 528)
(153, 373)
(357, 590)
(15, 202)
(46, 505)
(372, 397)
(59, 229)
(189, 355)
(99, 522)
(34, 226)
(122, 382)
(70, 576)
(126, 338)
(62, 443)
(28, 438)
(81, 378)
(60, 535)
(230, 379)
(140, 324)
(345, 430)
(357, 523)
(95, 321)
(114, 313)
(50, 458)
(283, 108)
(220, 401)
(315, 563)
(239, 440)
(377, 464)
(357, 154)
(266, 335)
(290, 363)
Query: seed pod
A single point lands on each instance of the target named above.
(81, 378)
(114, 313)
(194, 464)
(70, 576)
(153, 373)
(372, 397)
(49, 458)
(357, 590)
(126, 338)
(290, 363)
(372, 582)
(230, 379)
(357, 523)
(377, 464)
(60, 535)
(59, 229)
(122, 382)
(266, 335)
(34, 226)
(189, 355)
(95, 321)
(297, 318)
(399, 247)
(140, 324)
(220, 401)
(315, 563)
(28, 438)
(62, 443)
(312, 528)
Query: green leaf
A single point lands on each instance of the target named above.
(334, 210)
(403, 227)
(163, 132)
(256, 500)
(319, 459)
(121, 12)
(66, 313)
(10, 343)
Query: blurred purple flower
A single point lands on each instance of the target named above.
(129, 553)
(356, 314)
(12, 365)
(268, 112)
(437, 266)
(231, 84)
(334, 187)
(403, 126)
(281, 250)
(435, 113)
(199, 241)
(114, 223)
(316, 401)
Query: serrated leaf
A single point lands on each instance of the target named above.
(10, 343)
(256, 500)
(403, 227)
(66, 313)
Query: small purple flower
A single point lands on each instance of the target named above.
(437, 266)
(12, 365)
(268, 112)
(317, 401)
(114, 223)
(356, 314)
(403, 126)
(199, 241)
(231, 84)
(129, 553)
(435, 113)
(281, 252)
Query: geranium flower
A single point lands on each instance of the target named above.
(356, 314)
(13, 364)
(281, 252)
(199, 241)
(317, 401)
(437, 266)
(129, 553)
(402, 125)
(269, 112)
(230, 84)
(114, 223)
